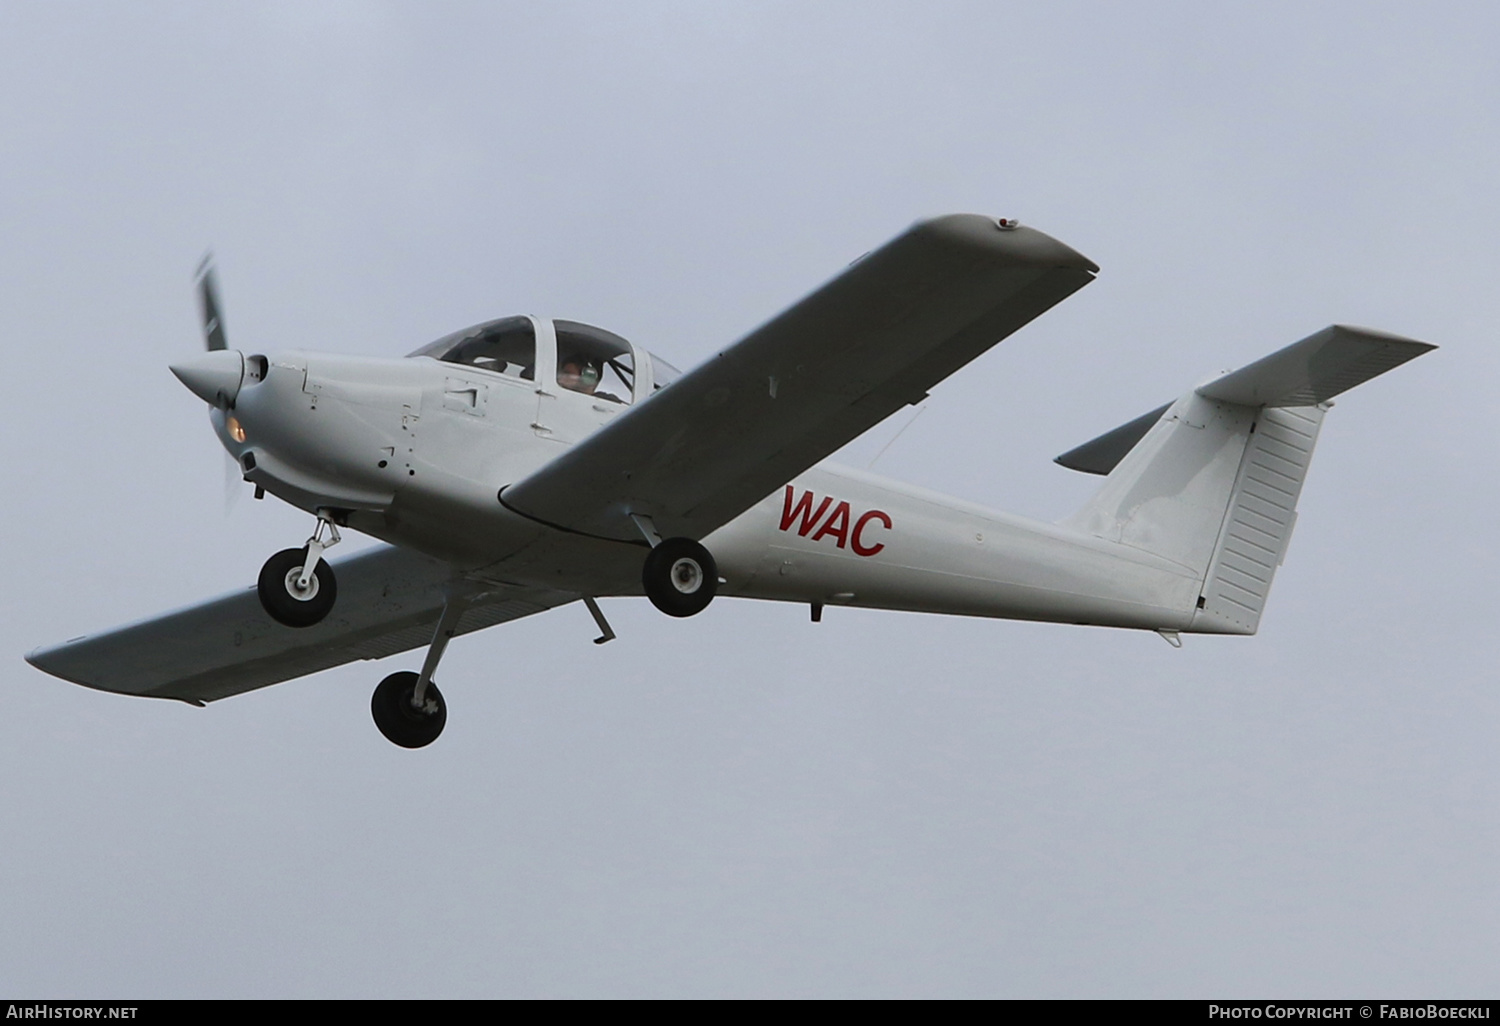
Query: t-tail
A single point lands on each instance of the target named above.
(1211, 481)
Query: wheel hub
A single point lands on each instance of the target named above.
(420, 711)
(687, 576)
(294, 585)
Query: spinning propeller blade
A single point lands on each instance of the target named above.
(208, 299)
(234, 484)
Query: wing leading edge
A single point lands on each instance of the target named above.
(793, 391)
(389, 602)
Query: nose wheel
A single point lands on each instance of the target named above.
(404, 719)
(284, 595)
(680, 577)
(297, 586)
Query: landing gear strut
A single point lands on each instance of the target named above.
(297, 586)
(680, 577)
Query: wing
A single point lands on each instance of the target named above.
(389, 601)
(874, 339)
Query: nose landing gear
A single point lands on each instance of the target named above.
(296, 586)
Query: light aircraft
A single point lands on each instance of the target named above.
(527, 463)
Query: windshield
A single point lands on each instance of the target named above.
(506, 346)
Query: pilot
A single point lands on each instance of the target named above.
(578, 375)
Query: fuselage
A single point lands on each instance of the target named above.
(416, 450)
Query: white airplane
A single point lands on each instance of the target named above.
(526, 463)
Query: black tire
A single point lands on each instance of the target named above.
(401, 723)
(278, 594)
(680, 577)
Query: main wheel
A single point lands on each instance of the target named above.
(680, 577)
(284, 601)
(401, 722)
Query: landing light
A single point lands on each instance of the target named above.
(232, 425)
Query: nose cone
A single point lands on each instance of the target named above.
(213, 377)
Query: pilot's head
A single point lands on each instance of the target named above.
(578, 375)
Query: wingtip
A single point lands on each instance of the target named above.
(41, 657)
(1008, 237)
(1377, 335)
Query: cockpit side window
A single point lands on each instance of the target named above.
(506, 346)
(594, 362)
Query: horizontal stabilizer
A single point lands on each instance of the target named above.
(1316, 369)
(1305, 373)
(1104, 453)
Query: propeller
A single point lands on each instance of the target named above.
(215, 379)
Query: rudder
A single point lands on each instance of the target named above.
(1258, 523)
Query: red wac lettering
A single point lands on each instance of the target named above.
(861, 549)
(800, 513)
(803, 508)
(841, 532)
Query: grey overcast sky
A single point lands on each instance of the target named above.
(746, 803)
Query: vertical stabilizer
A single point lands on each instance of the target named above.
(1168, 495)
(1212, 483)
(1212, 486)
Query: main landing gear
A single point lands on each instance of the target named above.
(297, 586)
(406, 706)
(680, 577)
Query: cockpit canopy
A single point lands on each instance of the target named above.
(582, 358)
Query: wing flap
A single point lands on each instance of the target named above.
(389, 602)
(872, 340)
